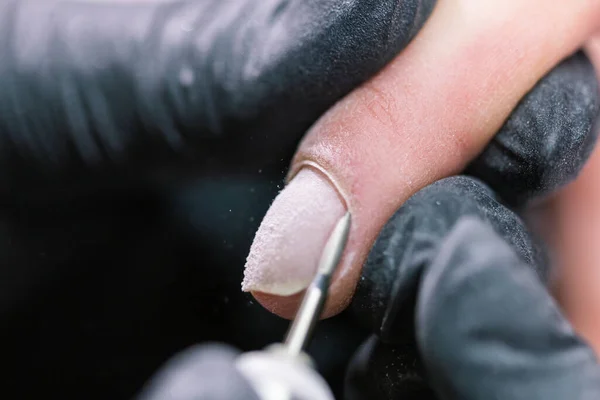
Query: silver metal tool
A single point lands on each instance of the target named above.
(284, 371)
(314, 299)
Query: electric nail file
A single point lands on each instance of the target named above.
(284, 371)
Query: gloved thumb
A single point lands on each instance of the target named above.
(424, 117)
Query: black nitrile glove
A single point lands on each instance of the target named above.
(140, 145)
(104, 88)
(454, 289)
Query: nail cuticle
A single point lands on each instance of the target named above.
(299, 166)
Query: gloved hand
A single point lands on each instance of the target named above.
(107, 87)
(138, 140)
(455, 289)
(461, 271)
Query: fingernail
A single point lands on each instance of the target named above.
(287, 246)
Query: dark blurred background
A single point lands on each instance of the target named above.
(103, 286)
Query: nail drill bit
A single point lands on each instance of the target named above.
(314, 299)
(284, 371)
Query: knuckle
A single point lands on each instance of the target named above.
(380, 104)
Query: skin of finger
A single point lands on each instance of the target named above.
(429, 112)
(574, 216)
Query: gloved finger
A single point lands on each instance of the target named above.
(487, 328)
(548, 137)
(88, 86)
(423, 118)
(386, 294)
(205, 372)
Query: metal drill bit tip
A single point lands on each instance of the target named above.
(314, 299)
(334, 248)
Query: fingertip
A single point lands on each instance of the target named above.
(283, 306)
(338, 298)
(286, 250)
